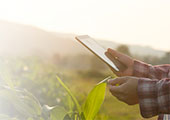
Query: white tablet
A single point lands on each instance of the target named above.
(96, 49)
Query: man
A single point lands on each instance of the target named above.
(141, 83)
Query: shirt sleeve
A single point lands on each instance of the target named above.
(142, 69)
(154, 96)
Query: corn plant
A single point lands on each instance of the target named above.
(19, 104)
(92, 104)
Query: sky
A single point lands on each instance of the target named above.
(139, 22)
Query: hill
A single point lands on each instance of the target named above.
(19, 39)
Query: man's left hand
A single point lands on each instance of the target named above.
(126, 91)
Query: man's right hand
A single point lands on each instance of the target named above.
(123, 62)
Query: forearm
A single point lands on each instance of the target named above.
(154, 96)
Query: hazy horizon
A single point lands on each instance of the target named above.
(72, 34)
(134, 22)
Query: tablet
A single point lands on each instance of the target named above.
(96, 49)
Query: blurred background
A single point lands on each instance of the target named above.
(37, 42)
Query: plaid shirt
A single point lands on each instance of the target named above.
(153, 89)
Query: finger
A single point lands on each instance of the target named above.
(120, 81)
(118, 73)
(115, 90)
(121, 57)
(121, 98)
(119, 65)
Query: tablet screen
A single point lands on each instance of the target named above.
(97, 49)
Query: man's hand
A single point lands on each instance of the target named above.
(123, 62)
(126, 91)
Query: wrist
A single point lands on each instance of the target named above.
(140, 69)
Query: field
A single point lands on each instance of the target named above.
(38, 77)
(112, 109)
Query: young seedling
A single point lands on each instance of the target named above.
(92, 104)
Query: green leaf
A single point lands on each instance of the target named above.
(75, 116)
(32, 102)
(94, 101)
(70, 104)
(20, 102)
(82, 116)
(105, 80)
(67, 117)
(46, 112)
(57, 113)
(71, 95)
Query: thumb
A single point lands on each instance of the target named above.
(119, 80)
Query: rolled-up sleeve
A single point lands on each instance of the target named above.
(153, 89)
(158, 72)
(154, 96)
